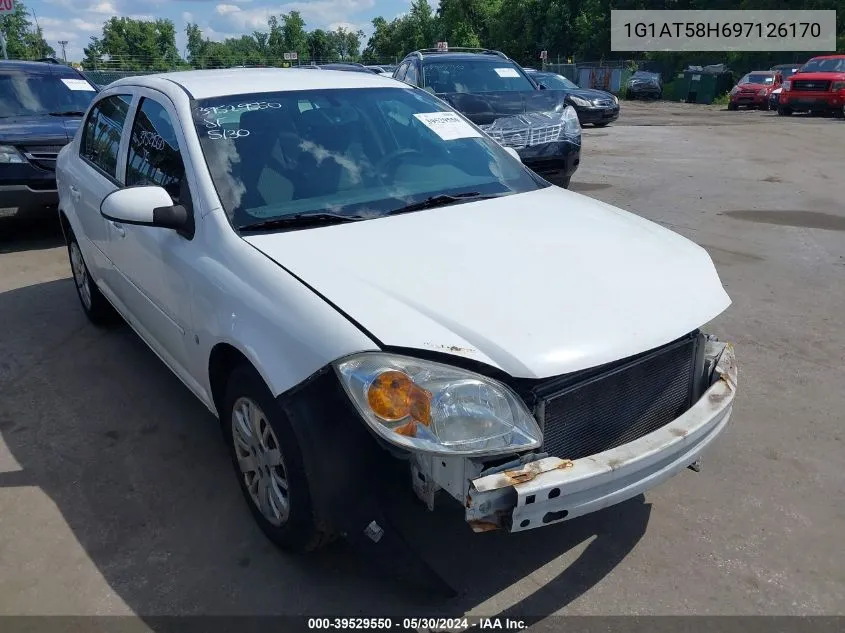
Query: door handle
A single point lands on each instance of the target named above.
(75, 193)
(118, 227)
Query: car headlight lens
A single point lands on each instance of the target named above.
(787, 85)
(434, 408)
(734, 90)
(615, 99)
(9, 154)
(579, 101)
(763, 91)
(837, 85)
(571, 124)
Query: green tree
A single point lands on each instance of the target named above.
(346, 43)
(23, 39)
(134, 45)
(293, 33)
(320, 46)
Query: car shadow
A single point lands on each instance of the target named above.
(17, 235)
(140, 474)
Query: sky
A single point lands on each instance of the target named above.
(77, 20)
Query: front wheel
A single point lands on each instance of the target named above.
(600, 124)
(96, 307)
(732, 106)
(839, 113)
(784, 111)
(268, 463)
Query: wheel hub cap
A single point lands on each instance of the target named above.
(260, 460)
(80, 275)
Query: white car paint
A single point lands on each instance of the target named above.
(538, 284)
(534, 284)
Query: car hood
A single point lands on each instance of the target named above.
(831, 76)
(38, 130)
(483, 108)
(750, 87)
(589, 94)
(536, 284)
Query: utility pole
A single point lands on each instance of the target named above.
(38, 32)
(63, 43)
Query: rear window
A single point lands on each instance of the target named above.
(469, 75)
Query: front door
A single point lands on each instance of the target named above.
(154, 263)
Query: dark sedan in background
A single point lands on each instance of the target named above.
(593, 106)
(644, 85)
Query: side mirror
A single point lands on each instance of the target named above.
(147, 205)
(513, 152)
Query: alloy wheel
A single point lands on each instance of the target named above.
(80, 275)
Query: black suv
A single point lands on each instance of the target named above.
(496, 94)
(41, 106)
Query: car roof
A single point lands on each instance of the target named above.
(839, 56)
(47, 68)
(761, 72)
(204, 84)
(487, 57)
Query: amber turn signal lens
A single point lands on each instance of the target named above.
(393, 396)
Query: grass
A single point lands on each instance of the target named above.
(722, 99)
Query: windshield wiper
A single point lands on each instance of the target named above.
(300, 220)
(67, 113)
(442, 201)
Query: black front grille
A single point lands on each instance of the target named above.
(43, 156)
(810, 85)
(621, 404)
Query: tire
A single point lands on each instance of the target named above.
(96, 307)
(294, 527)
(839, 113)
(784, 111)
(564, 182)
(600, 124)
(732, 106)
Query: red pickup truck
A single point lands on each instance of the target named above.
(819, 86)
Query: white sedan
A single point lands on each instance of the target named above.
(355, 279)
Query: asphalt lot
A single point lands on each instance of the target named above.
(116, 496)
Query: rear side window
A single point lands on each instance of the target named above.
(154, 156)
(101, 136)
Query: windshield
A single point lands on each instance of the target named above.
(360, 152)
(555, 82)
(757, 78)
(787, 72)
(469, 75)
(832, 65)
(645, 76)
(24, 94)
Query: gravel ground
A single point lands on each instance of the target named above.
(116, 496)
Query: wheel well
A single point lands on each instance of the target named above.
(65, 223)
(223, 359)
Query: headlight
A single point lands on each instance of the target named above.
(9, 154)
(734, 90)
(615, 99)
(579, 101)
(837, 85)
(787, 85)
(762, 91)
(435, 408)
(571, 124)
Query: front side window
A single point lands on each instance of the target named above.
(25, 94)
(360, 152)
(470, 75)
(154, 157)
(411, 77)
(400, 74)
(101, 136)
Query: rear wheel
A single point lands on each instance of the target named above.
(782, 111)
(600, 124)
(732, 106)
(839, 113)
(96, 307)
(268, 463)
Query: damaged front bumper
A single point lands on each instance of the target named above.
(538, 490)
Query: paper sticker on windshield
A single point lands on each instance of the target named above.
(78, 84)
(447, 125)
(506, 72)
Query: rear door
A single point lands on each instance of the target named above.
(94, 175)
(154, 263)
